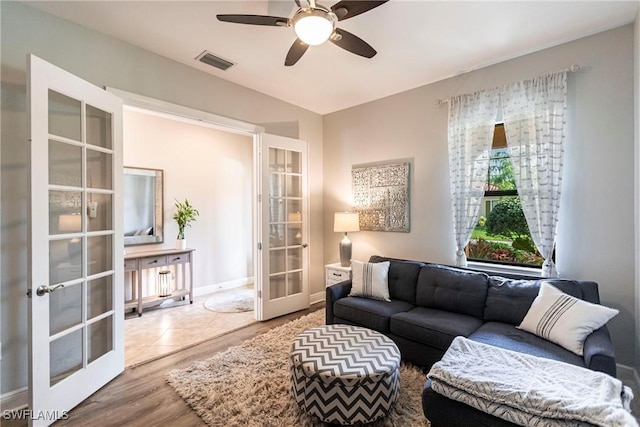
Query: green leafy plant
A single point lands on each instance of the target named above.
(501, 170)
(481, 249)
(185, 215)
(506, 218)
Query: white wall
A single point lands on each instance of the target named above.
(105, 61)
(596, 238)
(214, 170)
(636, 56)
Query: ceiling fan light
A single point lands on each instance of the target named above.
(313, 27)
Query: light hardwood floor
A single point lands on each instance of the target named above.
(140, 395)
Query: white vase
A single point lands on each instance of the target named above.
(181, 244)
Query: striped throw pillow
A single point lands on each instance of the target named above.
(370, 280)
(563, 319)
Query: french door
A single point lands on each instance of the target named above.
(76, 301)
(283, 227)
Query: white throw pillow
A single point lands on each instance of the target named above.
(563, 319)
(370, 280)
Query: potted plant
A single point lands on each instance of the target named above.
(184, 215)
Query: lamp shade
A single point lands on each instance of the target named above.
(345, 222)
(70, 223)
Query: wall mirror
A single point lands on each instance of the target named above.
(143, 206)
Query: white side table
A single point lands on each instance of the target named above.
(336, 273)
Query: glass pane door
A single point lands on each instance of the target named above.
(76, 297)
(284, 226)
(285, 223)
(80, 241)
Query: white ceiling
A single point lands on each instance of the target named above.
(418, 42)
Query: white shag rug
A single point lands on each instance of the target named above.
(231, 301)
(248, 384)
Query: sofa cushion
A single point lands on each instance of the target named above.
(370, 313)
(563, 319)
(507, 336)
(509, 300)
(370, 280)
(433, 327)
(452, 289)
(403, 276)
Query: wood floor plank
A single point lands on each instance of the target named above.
(140, 395)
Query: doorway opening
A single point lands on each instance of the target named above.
(212, 168)
(280, 222)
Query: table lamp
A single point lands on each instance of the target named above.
(344, 222)
(72, 223)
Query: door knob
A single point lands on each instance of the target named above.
(47, 289)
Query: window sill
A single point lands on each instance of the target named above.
(510, 269)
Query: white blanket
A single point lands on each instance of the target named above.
(528, 390)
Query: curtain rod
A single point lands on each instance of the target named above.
(572, 69)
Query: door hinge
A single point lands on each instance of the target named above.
(259, 246)
(259, 198)
(259, 293)
(29, 293)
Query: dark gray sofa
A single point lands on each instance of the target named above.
(431, 304)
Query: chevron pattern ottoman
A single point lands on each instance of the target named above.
(344, 374)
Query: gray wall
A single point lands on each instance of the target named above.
(637, 179)
(596, 238)
(105, 61)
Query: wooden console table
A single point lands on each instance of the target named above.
(137, 262)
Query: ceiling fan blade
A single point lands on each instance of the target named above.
(298, 48)
(353, 44)
(274, 21)
(346, 9)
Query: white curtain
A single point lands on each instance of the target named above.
(470, 132)
(534, 119)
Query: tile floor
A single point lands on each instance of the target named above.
(175, 325)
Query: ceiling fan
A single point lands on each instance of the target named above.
(314, 24)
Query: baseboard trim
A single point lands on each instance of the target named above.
(316, 298)
(203, 290)
(13, 400)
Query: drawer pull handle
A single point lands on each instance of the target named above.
(153, 262)
(176, 259)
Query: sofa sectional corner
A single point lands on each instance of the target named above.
(431, 304)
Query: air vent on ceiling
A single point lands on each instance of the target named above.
(215, 61)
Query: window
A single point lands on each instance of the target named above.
(502, 235)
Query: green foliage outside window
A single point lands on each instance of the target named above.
(501, 170)
(503, 235)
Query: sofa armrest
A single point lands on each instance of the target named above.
(599, 354)
(333, 294)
